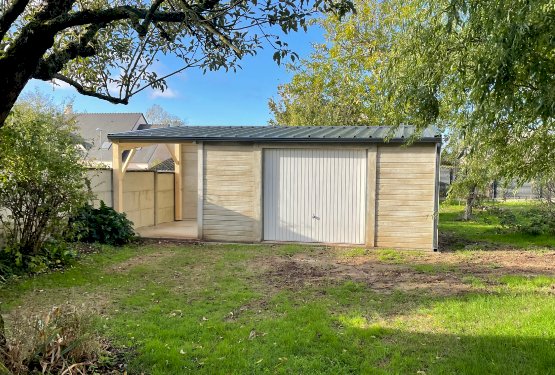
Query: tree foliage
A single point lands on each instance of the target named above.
(109, 49)
(486, 69)
(42, 181)
(340, 83)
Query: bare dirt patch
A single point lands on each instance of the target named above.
(141, 260)
(435, 273)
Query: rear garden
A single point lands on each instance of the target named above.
(485, 305)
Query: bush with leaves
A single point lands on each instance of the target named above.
(533, 221)
(104, 225)
(42, 182)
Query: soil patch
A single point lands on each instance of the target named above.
(434, 273)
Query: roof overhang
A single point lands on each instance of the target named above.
(266, 134)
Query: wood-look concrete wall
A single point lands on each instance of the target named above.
(138, 198)
(165, 198)
(148, 197)
(231, 192)
(101, 185)
(190, 180)
(405, 196)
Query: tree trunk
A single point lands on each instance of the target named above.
(18, 66)
(22, 58)
(2, 334)
(470, 200)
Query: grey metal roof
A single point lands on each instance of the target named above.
(347, 134)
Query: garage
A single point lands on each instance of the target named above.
(356, 185)
(315, 195)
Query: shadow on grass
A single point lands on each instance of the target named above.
(326, 331)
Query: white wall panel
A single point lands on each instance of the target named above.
(315, 195)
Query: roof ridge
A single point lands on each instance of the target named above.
(108, 113)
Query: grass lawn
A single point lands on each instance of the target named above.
(186, 308)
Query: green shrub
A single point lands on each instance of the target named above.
(53, 254)
(42, 182)
(534, 221)
(104, 225)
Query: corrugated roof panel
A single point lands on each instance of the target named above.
(351, 134)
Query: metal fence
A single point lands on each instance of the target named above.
(497, 190)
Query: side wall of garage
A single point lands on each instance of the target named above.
(405, 196)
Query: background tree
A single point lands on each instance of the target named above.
(492, 61)
(106, 49)
(339, 84)
(42, 182)
(159, 116)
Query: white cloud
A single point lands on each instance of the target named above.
(166, 94)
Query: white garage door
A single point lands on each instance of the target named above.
(315, 195)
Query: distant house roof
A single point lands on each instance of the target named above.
(332, 134)
(166, 165)
(95, 127)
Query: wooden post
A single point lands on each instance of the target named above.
(371, 197)
(178, 181)
(200, 189)
(117, 170)
(257, 185)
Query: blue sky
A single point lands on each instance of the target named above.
(214, 98)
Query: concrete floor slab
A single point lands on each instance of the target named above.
(185, 229)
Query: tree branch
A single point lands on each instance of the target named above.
(119, 13)
(86, 17)
(83, 91)
(9, 17)
(148, 19)
(209, 26)
(56, 61)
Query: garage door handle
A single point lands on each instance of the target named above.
(315, 217)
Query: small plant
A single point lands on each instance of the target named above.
(103, 225)
(62, 341)
(53, 254)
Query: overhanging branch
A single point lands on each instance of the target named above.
(57, 60)
(86, 17)
(83, 91)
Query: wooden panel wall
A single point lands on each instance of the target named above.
(190, 179)
(231, 209)
(164, 203)
(138, 198)
(405, 197)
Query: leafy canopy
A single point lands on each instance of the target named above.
(487, 70)
(110, 49)
(340, 83)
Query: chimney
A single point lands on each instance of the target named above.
(69, 109)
